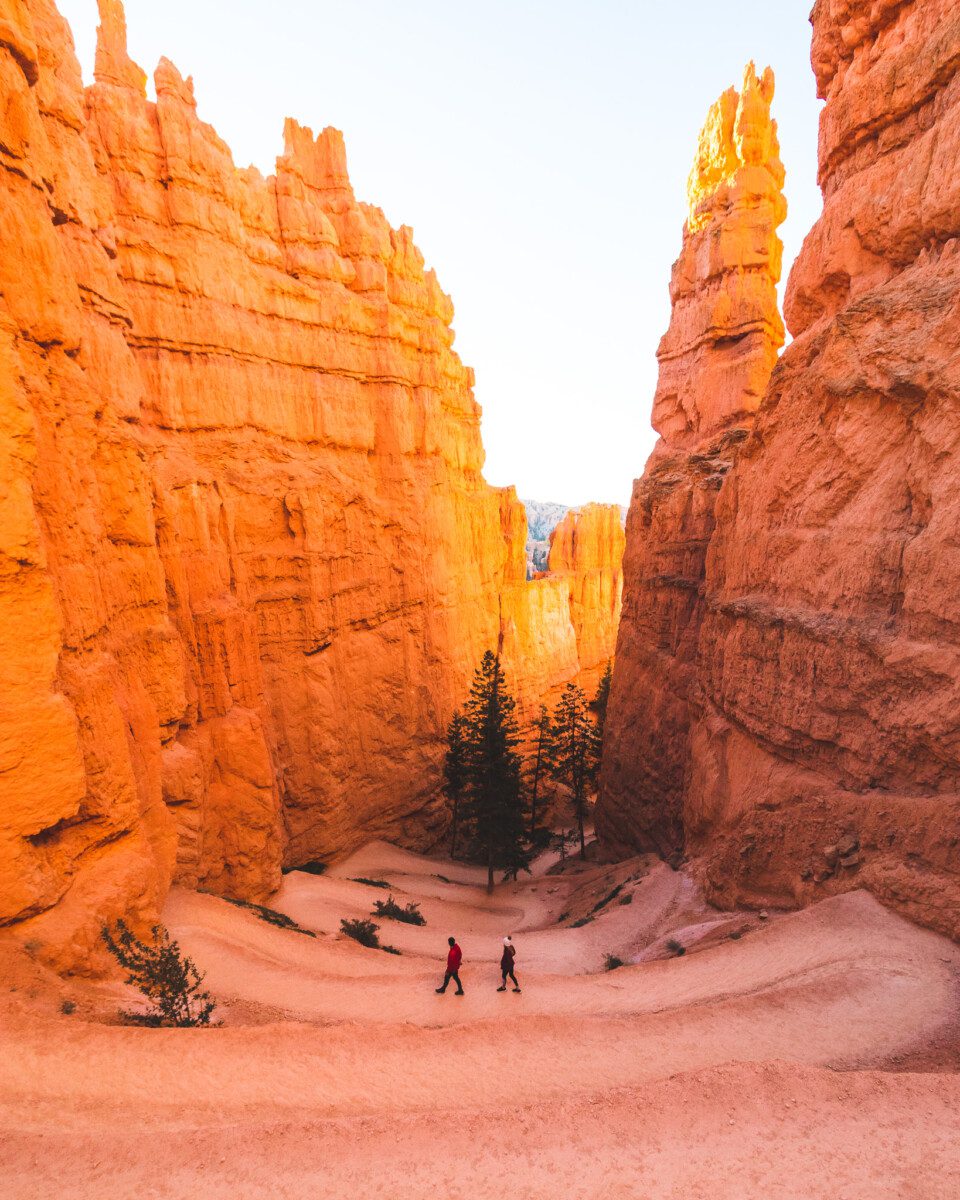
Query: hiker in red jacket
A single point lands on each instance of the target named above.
(506, 964)
(454, 959)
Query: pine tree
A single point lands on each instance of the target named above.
(598, 705)
(573, 751)
(455, 773)
(162, 973)
(540, 765)
(494, 801)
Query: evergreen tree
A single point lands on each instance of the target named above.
(493, 792)
(573, 752)
(455, 773)
(598, 705)
(159, 970)
(540, 765)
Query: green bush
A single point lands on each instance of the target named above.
(410, 915)
(627, 898)
(364, 932)
(390, 949)
(583, 921)
(611, 962)
(380, 883)
(67, 1007)
(606, 900)
(168, 979)
(677, 948)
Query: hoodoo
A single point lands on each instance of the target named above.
(249, 560)
(715, 362)
(808, 740)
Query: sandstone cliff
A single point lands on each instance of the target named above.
(821, 749)
(249, 560)
(715, 361)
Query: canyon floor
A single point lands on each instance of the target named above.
(810, 1054)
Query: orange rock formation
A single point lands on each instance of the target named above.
(586, 552)
(249, 560)
(715, 361)
(822, 750)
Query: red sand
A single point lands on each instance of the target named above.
(758, 1067)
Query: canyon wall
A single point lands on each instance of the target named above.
(715, 362)
(822, 749)
(248, 560)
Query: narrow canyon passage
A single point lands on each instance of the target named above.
(731, 1070)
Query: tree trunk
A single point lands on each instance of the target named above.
(490, 870)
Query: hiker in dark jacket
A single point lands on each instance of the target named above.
(506, 964)
(454, 959)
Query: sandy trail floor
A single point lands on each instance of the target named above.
(763, 1064)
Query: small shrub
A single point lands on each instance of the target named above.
(168, 979)
(611, 962)
(563, 916)
(443, 879)
(606, 900)
(411, 915)
(626, 899)
(677, 948)
(67, 1007)
(270, 915)
(390, 949)
(736, 935)
(380, 883)
(583, 921)
(364, 932)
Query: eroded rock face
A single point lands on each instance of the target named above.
(248, 560)
(822, 749)
(586, 551)
(715, 362)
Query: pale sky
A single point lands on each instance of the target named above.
(539, 149)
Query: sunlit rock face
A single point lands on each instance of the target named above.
(586, 551)
(248, 560)
(715, 362)
(821, 749)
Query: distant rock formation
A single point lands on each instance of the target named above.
(542, 520)
(586, 550)
(248, 561)
(811, 743)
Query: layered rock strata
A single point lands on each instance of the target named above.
(715, 362)
(248, 560)
(823, 750)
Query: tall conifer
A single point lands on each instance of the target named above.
(573, 752)
(493, 792)
(455, 774)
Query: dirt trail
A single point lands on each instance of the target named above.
(754, 1065)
